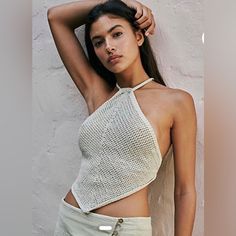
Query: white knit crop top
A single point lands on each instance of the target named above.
(120, 152)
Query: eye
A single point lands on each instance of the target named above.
(118, 34)
(98, 43)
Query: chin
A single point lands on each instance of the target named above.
(117, 69)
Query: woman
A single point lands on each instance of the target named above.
(134, 120)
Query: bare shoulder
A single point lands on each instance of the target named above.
(181, 98)
(183, 105)
(172, 95)
(175, 95)
(176, 102)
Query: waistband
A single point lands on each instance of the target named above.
(142, 222)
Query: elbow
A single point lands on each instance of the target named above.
(185, 192)
(186, 198)
(51, 13)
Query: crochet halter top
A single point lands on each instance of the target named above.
(120, 152)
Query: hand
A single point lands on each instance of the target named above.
(144, 15)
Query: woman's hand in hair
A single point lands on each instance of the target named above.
(144, 16)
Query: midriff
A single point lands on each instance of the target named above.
(134, 205)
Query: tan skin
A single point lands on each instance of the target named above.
(171, 112)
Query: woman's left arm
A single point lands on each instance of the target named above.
(184, 147)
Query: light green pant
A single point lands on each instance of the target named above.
(72, 221)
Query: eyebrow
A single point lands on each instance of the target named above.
(112, 28)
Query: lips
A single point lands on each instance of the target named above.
(113, 57)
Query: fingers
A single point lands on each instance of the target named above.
(150, 29)
(139, 11)
(145, 15)
(146, 20)
(148, 25)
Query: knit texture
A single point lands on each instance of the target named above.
(120, 152)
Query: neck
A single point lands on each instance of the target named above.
(132, 76)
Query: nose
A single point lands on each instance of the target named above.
(109, 47)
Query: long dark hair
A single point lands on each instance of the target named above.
(117, 7)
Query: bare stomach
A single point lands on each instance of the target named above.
(135, 205)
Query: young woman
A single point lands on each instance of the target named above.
(134, 119)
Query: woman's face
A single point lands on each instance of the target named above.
(112, 35)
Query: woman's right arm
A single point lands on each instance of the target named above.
(63, 20)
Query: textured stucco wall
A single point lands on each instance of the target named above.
(59, 109)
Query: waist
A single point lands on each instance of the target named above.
(134, 205)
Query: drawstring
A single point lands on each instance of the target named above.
(137, 86)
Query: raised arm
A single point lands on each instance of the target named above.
(63, 20)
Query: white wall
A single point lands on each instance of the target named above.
(59, 109)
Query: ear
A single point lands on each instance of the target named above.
(139, 37)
